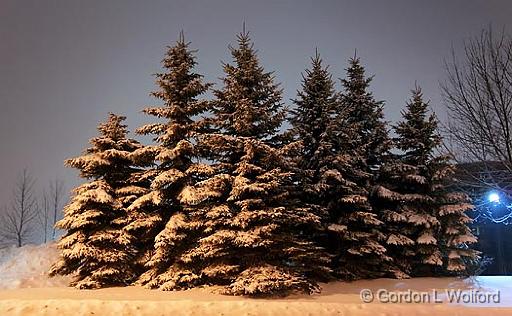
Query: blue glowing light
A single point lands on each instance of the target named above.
(494, 197)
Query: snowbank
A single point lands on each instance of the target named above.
(337, 298)
(25, 290)
(28, 267)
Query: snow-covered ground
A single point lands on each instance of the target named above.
(27, 267)
(25, 289)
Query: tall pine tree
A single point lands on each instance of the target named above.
(95, 248)
(419, 203)
(455, 235)
(367, 113)
(404, 194)
(316, 106)
(363, 145)
(323, 163)
(159, 219)
(253, 242)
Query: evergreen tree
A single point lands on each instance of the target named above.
(311, 120)
(159, 217)
(250, 103)
(252, 243)
(451, 206)
(426, 222)
(367, 113)
(362, 146)
(404, 194)
(454, 235)
(95, 248)
(321, 161)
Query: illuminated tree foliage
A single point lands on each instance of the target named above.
(96, 249)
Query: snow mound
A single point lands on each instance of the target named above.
(337, 298)
(27, 267)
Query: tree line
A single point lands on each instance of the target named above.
(223, 196)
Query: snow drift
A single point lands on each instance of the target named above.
(28, 267)
(337, 298)
(26, 289)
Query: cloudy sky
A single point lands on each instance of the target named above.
(65, 64)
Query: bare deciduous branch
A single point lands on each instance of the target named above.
(478, 96)
(56, 196)
(17, 223)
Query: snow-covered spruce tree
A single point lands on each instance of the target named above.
(95, 249)
(158, 216)
(323, 160)
(362, 146)
(316, 106)
(404, 196)
(367, 113)
(455, 235)
(253, 243)
(422, 205)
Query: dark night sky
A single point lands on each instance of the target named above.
(65, 64)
